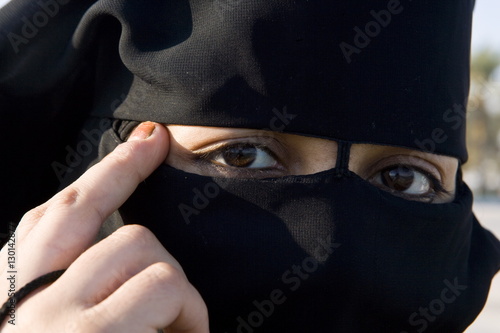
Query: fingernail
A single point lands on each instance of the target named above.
(143, 131)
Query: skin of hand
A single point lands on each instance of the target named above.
(127, 282)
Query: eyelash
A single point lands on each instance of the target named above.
(207, 158)
(437, 189)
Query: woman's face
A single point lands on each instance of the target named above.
(249, 153)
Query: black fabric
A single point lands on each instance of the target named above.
(369, 261)
(362, 269)
(375, 261)
(232, 63)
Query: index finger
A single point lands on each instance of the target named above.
(73, 217)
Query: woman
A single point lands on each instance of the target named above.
(308, 178)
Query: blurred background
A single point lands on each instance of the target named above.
(482, 171)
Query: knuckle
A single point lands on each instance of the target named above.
(34, 214)
(168, 276)
(140, 239)
(136, 234)
(68, 197)
(136, 239)
(92, 320)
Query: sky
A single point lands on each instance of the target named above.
(486, 28)
(486, 25)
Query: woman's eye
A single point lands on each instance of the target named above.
(244, 155)
(410, 182)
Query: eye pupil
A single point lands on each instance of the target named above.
(400, 178)
(240, 156)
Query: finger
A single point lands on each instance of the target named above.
(159, 296)
(73, 216)
(115, 259)
(28, 221)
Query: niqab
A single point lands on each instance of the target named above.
(313, 253)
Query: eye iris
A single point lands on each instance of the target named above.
(399, 179)
(240, 156)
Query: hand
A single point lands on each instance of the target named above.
(127, 282)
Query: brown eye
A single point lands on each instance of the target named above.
(240, 156)
(407, 180)
(245, 156)
(398, 178)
